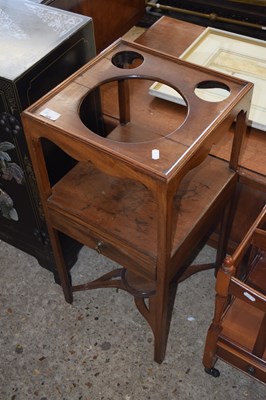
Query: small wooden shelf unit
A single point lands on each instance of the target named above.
(149, 215)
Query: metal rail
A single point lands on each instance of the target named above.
(211, 16)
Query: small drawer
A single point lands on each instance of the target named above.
(127, 257)
(252, 366)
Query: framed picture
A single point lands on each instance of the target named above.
(229, 53)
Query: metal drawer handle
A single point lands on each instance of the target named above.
(99, 247)
(251, 370)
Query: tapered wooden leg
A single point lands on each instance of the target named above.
(161, 308)
(124, 101)
(221, 288)
(60, 265)
(225, 228)
(209, 357)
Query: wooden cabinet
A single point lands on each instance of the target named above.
(237, 334)
(111, 18)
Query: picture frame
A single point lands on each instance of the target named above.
(230, 53)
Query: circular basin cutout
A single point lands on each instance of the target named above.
(127, 59)
(212, 91)
(124, 111)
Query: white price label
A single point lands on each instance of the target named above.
(50, 114)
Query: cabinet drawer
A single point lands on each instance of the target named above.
(134, 261)
(254, 367)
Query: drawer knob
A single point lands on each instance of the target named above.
(251, 370)
(99, 247)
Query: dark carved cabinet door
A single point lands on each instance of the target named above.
(33, 61)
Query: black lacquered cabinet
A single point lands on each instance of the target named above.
(40, 47)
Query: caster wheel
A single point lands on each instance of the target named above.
(213, 372)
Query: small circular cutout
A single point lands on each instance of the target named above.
(212, 91)
(127, 59)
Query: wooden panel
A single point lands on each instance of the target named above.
(170, 36)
